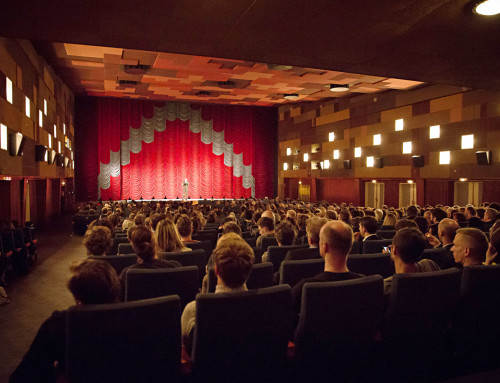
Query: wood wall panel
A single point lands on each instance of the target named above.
(339, 190)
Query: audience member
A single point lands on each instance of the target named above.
(490, 216)
(335, 243)
(92, 282)
(437, 214)
(98, 240)
(368, 227)
(493, 249)
(470, 246)
(233, 260)
(407, 248)
(185, 229)
(404, 223)
(285, 235)
(447, 230)
(266, 229)
(128, 222)
(168, 238)
(389, 222)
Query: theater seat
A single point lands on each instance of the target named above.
(260, 276)
(371, 264)
(242, 336)
(124, 342)
(372, 247)
(276, 254)
(292, 272)
(119, 262)
(125, 248)
(196, 258)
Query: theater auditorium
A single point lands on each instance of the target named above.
(250, 191)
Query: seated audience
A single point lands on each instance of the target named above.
(335, 242)
(313, 227)
(266, 229)
(389, 222)
(285, 234)
(233, 259)
(144, 244)
(470, 246)
(185, 229)
(404, 222)
(437, 214)
(92, 282)
(368, 227)
(493, 249)
(490, 216)
(407, 248)
(472, 218)
(98, 240)
(447, 229)
(168, 238)
(128, 222)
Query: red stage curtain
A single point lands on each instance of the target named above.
(176, 150)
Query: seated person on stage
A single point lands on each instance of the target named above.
(407, 248)
(92, 282)
(285, 234)
(168, 238)
(313, 227)
(185, 228)
(368, 227)
(266, 229)
(233, 259)
(144, 244)
(470, 246)
(335, 242)
(98, 240)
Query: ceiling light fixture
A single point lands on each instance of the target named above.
(291, 96)
(487, 7)
(339, 87)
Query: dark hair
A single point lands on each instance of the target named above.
(94, 282)
(404, 223)
(143, 242)
(439, 214)
(369, 223)
(422, 224)
(98, 240)
(266, 222)
(411, 211)
(410, 243)
(231, 227)
(285, 233)
(184, 225)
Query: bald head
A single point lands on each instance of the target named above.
(447, 230)
(268, 214)
(337, 235)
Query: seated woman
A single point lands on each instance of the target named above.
(168, 238)
(98, 240)
(144, 244)
(389, 222)
(92, 282)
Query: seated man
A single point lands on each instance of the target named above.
(233, 259)
(185, 228)
(407, 248)
(493, 249)
(447, 229)
(335, 242)
(490, 216)
(368, 227)
(470, 246)
(266, 229)
(92, 282)
(313, 227)
(437, 214)
(285, 235)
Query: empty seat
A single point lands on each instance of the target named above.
(124, 342)
(152, 283)
(291, 272)
(337, 329)
(260, 276)
(118, 262)
(242, 336)
(371, 264)
(376, 246)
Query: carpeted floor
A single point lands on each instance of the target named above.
(35, 296)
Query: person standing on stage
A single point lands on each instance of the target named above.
(185, 187)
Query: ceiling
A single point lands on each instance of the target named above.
(367, 44)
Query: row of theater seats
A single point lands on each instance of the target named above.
(18, 249)
(346, 331)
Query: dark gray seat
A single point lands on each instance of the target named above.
(375, 246)
(292, 272)
(196, 258)
(371, 264)
(260, 276)
(125, 248)
(276, 254)
(119, 262)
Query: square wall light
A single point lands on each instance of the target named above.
(306, 157)
(357, 152)
(285, 166)
(407, 147)
(3, 137)
(27, 106)
(45, 107)
(434, 132)
(468, 141)
(377, 139)
(40, 119)
(331, 136)
(288, 150)
(336, 154)
(8, 90)
(444, 158)
(399, 124)
(326, 164)
(370, 161)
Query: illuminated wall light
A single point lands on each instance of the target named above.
(59, 146)
(55, 131)
(64, 131)
(45, 107)
(73, 164)
(27, 104)
(407, 147)
(336, 154)
(331, 136)
(50, 141)
(285, 165)
(463, 179)
(370, 161)
(288, 150)
(72, 155)
(399, 124)
(3, 137)
(377, 139)
(46, 155)
(374, 181)
(410, 181)
(434, 131)
(357, 152)
(444, 158)
(300, 182)
(40, 119)
(326, 164)
(487, 8)
(8, 89)
(306, 157)
(468, 141)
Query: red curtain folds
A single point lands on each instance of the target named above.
(175, 153)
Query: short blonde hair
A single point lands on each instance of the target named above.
(233, 259)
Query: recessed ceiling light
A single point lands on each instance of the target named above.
(339, 87)
(487, 8)
(291, 96)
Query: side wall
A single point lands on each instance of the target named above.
(305, 128)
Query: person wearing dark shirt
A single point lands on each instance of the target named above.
(335, 242)
(92, 282)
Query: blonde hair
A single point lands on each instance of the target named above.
(167, 237)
